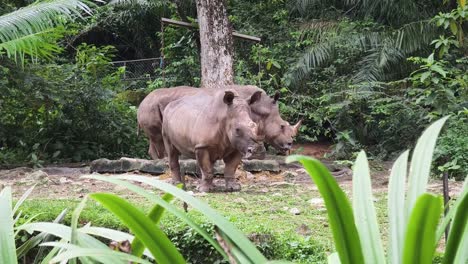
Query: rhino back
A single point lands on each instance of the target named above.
(157, 100)
(195, 121)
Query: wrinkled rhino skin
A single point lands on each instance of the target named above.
(209, 127)
(264, 112)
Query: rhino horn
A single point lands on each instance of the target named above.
(296, 127)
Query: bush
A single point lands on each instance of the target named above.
(450, 154)
(66, 112)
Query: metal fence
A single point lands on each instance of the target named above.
(143, 69)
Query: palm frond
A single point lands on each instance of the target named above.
(36, 45)
(27, 24)
(382, 53)
(316, 56)
(411, 37)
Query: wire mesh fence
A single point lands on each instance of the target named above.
(143, 69)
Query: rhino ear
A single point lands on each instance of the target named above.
(228, 97)
(255, 97)
(276, 97)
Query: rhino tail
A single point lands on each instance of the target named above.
(160, 113)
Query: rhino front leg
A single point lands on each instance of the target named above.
(231, 162)
(206, 167)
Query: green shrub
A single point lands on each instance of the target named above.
(413, 215)
(450, 155)
(66, 112)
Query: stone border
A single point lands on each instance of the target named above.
(188, 166)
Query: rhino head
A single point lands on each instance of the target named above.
(277, 131)
(243, 133)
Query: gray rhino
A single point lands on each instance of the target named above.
(265, 112)
(209, 127)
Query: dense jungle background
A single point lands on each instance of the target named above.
(361, 74)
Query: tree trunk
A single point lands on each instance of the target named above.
(216, 44)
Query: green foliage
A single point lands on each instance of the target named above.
(419, 216)
(34, 30)
(66, 112)
(450, 154)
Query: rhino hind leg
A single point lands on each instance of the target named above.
(156, 148)
(173, 156)
(206, 167)
(231, 163)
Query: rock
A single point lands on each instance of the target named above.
(260, 165)
(81, 190)
(249, 175)
(289, 175)
(218, 167)
(301, 171)
(38, 175)
(15, 173)
(189, 167)
(262, 178)
(154, 167)
(115, 166)
(277, 194)
(316, 202)
(190, 192)
(64, 180)
(119, 188)
(240, 200)
(295, 211)
(261, 239)
(304, 230)
(62, 171)
(344, 172)
(281, 184)
(259, 153)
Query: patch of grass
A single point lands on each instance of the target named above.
(261, 213)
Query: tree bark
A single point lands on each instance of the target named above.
(216, 44)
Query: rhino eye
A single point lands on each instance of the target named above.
(239, 132)
(283, 127)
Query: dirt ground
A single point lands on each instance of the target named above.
(58, 182)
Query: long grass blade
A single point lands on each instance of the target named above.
(421, 163)
(7, 238)
(232, 232)
(22, 199)
(334, 258)
(169, 207)
(111, 234)
(396, 203)
(364, 212)
(74, 223)
(155, 215)
(340, 214)
(458, 231)
(37, 239)
(420, 232)
(152, 237)
(451, 212)
(73, 252)
(64, 232)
